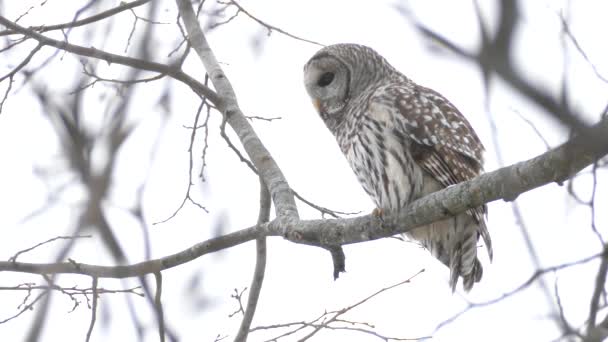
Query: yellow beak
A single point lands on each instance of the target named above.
(317, 104)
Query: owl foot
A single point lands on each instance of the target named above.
(378, 212)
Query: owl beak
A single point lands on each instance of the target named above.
(317, 104)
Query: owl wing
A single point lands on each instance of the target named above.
(443, 142)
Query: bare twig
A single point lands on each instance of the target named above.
(124, 6)
(187, 196)
(324, 211)
(568, 33)
(328, 320)
(234, 148)
(70, 291)
(23, 63)
(567, 329)
(268, 27)
(238, 296)
(97, 78)
(14, 257)
(261, 118)
(518, 289)
(600, 283)
(534, 128)
(160, 317)
(205, 144)
(260, 266)
(26, 308)
(93, 309)
(116, 59)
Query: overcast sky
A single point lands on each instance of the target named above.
(268, 80)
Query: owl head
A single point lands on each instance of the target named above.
(338, 74)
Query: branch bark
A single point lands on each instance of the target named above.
(266, 166)
(506, 183)
(260, 267)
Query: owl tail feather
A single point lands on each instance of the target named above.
(468, 280)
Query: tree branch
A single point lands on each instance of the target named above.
(506, 183)
(495, 57)
(260, 267)
(225, 101)
(165, 69)
(600, 284)
(124, 6)
(258, 154)
(93, 309)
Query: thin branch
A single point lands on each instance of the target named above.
(14, 257)
(534, 128)
(187, 196)
(268, 27)
(324, 211)
(261, 118)
(600, 283)
(93, 309)
(260, 266)
(567, 329)
(70, 291)
(97, 78)
(160, 317)
(110, 58)
(205, 145)
(568, 32)
(27, 307)
(23, 63)
(234, 148)
(328, 320)
(238, 296)
(521, 287)
(124, 6)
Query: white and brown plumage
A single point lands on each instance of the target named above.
(403, 141)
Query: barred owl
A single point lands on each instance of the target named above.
(403, 141)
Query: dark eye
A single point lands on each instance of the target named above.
(325, 79)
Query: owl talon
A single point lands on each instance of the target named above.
(378, 212)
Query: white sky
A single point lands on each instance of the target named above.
(298, 283)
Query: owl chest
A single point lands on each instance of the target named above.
(383, 166)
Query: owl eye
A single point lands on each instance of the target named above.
(325, 79)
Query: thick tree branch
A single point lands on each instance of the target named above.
(260, 157)
(506, 183)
